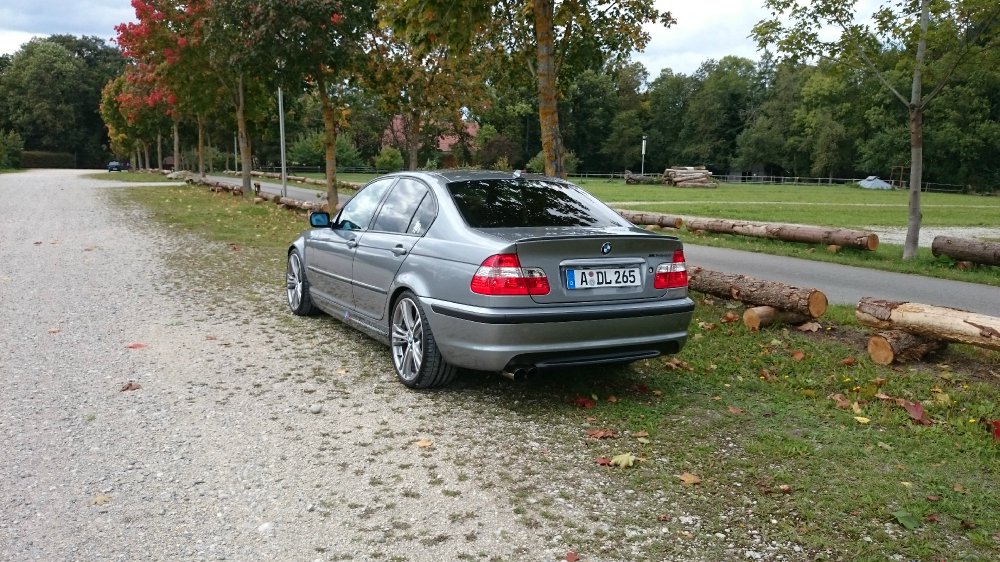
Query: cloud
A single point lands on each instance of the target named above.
(24, 19)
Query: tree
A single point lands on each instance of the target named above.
(669, 96)
(717, 111)
(962, 31)
(579, 34)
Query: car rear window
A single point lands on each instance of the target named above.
(512, 203)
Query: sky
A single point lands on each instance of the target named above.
(706, 29)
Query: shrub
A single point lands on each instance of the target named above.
(11, 147)
(389, 160)
(42, 159)
(570, 163)
(308, 150)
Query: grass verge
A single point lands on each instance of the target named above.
(133, 177)
(782, 471)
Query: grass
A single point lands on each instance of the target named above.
(779, 463)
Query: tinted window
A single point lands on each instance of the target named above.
(424, 216)
(358, 212)
(511, 203)
(399, 206)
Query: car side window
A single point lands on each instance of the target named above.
(399, 207)
(424, 216)
(358, 212)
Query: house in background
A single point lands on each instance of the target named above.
(398, 136)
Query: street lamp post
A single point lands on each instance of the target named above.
(642, 169)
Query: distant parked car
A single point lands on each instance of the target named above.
(114, 166)
(491, 271)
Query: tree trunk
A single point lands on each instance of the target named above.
(936, 322)
(548, 111)
(986, 253)
(241, 132)
(413, 142)
(653, 219)
(159, 150)
(201, 147)
(763, 316)
(897, 345)
(810, 302)
(177, 143)
(330, 144)
(789, 233)
(916, 112)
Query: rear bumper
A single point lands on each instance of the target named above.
(494, 339)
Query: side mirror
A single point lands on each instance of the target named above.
(319, 219)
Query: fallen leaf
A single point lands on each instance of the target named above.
(39, 243)
(735, 411)
(849, 361)
(54, 330)
(707, 326)
(885, 446)
(603, 461)
(906, 484)
(905, 519)
(842, 402)
(690, 479)
(942, 399)
(211, 338)
(674, 363)
(641, 388)
(131, 386)
(623, 460)
(136, 345)
(785, 489)
(584, 402)
(879, 382)
(798, 355)
(663, 517)
(643, 440)
(602, 433)
(809, 327)
(640, 434)
(424, 443)
(612, 399)
(341, 371)
(966, 524)
(572, 557)
(100, 500)
(657, 393)
(916, 412)
(234, 247)
(730, 317)
(933, 498)
(856, 408)
(959, 488)
(995, 429)
(862, 420)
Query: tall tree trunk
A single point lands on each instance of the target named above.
(548, 112)
(211, 153)
(413, 141)
(244, 140)
(159, 150)
(330, 144)
(145, 155)
(201, 146)
(916, 111)
(177, 143)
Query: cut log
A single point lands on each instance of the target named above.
(763, 316)
(966, 249)
(653, 219)
(790, 232)
(899, 346)
(935, 322)
(809, 302)
(633, 179)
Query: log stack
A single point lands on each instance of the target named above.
(688, 176)
(634, 179)
(967, 249)
(913, 329)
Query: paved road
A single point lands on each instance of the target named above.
(273, 187)
(842, 284)
(846, 284)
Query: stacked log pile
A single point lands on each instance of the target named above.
(687, 176)
(634, 179)
(843, 237)
(911, 329)
(966, 249)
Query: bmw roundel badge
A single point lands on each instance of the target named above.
(606, 248)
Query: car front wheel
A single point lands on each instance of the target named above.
(297, 286)
(415, 354)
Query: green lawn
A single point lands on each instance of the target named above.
(132, 177)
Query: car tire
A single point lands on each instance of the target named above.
(297, 286)
(415, 355)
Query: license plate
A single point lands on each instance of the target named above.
(594, 278)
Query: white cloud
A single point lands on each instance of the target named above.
(24, 19)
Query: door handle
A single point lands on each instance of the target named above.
(399, 250)
(352, 243)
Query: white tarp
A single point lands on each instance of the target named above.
(872, 182)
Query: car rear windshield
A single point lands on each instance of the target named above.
(512, 203)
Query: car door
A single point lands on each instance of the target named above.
(404, 216)
(330, 253)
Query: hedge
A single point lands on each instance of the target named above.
(41, 159)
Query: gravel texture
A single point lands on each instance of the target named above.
(147, 413)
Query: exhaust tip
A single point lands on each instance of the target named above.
(518, 374)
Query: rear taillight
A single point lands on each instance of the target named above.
(502, 274)
(672, 275)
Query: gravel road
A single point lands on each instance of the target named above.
(218, 455)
